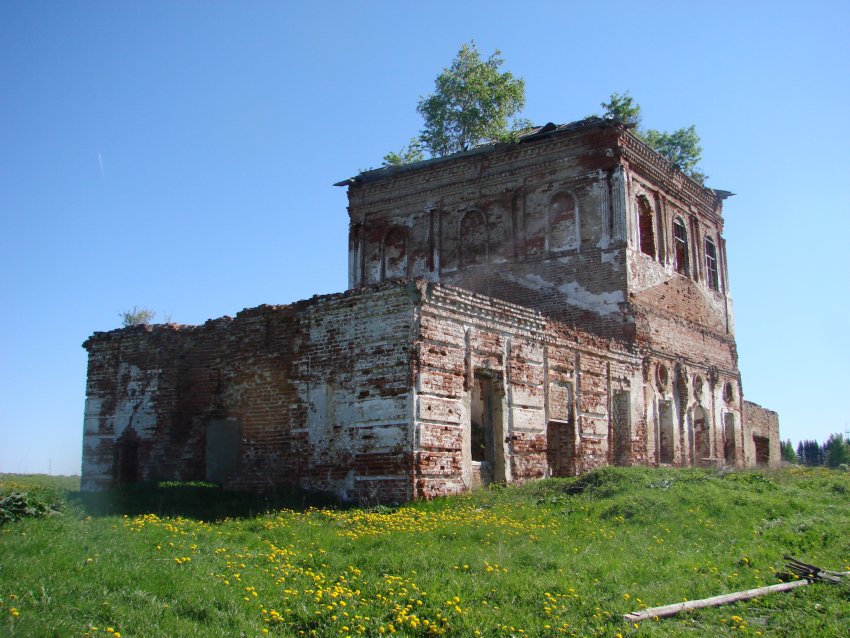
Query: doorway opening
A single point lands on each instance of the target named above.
(762, 445)
(485, 432)
(701, 446)
(729, 438)
(127, 457)
(224, 445)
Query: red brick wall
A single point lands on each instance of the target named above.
(320, 388)
(764, 424)
(553, 381)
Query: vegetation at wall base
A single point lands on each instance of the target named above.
(560, 557)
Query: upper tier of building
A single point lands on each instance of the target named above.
(583, 221)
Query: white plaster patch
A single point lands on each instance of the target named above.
(92, 415)
(531, 280)
(97, 474)
(604, 303)
(136, 405)
(611, 256)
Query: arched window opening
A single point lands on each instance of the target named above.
(647, 228)
(395, 254)
(473, 239)
(711, 272)
(680, 241)
(562, 222)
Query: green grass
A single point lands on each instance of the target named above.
(556, 557)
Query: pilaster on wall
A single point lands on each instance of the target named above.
(619, 206)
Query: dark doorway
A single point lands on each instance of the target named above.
(486, 431)
(701, 440)
(127, 457)
(762, 444)
(224, 447)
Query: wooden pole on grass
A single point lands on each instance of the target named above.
(714, 601)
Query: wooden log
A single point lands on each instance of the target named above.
(714, 601)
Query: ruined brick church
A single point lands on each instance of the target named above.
(520, 310)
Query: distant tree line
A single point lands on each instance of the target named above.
(834, 453)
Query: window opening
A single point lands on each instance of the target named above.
(680, 240)
(711, 264)
(646, 227)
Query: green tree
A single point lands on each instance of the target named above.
(136, 317)
(837, 451)
(407, 155)
(788, 454)
(682, 148)
(622, 107)
(472, 102)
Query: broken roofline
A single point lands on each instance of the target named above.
(537, 133)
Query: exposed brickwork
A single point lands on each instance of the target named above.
(762, 447)
(320, 390)
(518, 311)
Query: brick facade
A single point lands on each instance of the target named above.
(517, 311)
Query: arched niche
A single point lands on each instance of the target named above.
(563, 222)
(473, 238)
(395, 254)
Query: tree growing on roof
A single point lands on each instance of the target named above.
(622, 107)
(407, 155)
(136, 317)
(472, 103)
(681, 147)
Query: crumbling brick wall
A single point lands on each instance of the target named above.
(762, 444)
(538, 224)
(319, 392)
(555, 386)
(516, 311)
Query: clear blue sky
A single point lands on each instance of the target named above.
(180, 156)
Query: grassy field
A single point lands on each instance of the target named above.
(557, 557)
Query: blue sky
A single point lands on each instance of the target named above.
(181, 156)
